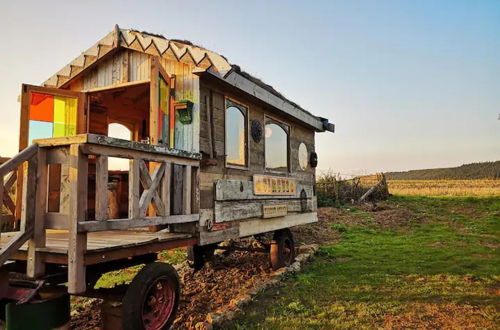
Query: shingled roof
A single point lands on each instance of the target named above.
(204, 61)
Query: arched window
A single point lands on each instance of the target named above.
(236, 134)
(276, 145)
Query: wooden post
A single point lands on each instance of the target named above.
(153, 102)
(186, 190)
(101, 188)
(196, 191)
(64, 190)
(133, 189)
(78, 176)
(165, 188)
(35, 266)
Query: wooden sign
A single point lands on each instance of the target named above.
(274, 210)
(273, 185)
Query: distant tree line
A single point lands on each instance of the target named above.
(484, 170)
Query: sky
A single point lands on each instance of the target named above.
(408, 84)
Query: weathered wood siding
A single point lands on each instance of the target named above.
(129, 66)
(211, 90)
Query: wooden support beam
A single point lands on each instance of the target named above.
(78, 176)
(122, 224)
(186, 190)
(153, 101)
(134, 189)
(101, 188)
(195, 184)
(165, 188)
(150, 193)
(35, 266)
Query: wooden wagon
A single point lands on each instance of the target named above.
(213, 154)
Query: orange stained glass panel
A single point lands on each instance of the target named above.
(42, 107)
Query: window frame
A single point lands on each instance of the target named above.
(273, 120)
(241, 106)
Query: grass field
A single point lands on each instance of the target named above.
(415, 262)
(484, 187)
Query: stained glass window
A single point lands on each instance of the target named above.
(51, 116)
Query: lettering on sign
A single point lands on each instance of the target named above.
(273, 185)
(274, 210)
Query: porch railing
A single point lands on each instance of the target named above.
(163, 189)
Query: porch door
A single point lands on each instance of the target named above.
(46, 113)
(162, 115)
(50, 112)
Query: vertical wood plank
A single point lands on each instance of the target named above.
(165, 188)
(28, 212)
(35, 266)
(65, 189)
(125, 61)
(177, 178)
(186, 190)
(208, 107)
(23, 143)
(101, 188)
(134, 189)
(153, 102)
(195, 184)
(78, 176)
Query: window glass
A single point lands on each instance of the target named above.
(276, 145)
(235, 134)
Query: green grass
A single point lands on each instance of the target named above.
(440, 269)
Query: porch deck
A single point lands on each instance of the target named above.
(102, 246)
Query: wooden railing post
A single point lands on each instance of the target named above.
(133, 189)
(186, 190)
(35, 266)
(196, 190)
(101, 188)
(78, 181)
(165, 188)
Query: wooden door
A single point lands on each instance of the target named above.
(45, 113)
(162, 115)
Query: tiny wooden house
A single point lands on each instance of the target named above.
(256, 146)
(214, 154)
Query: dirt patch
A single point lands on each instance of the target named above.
(437, 316)
(321, 232)
(214, 288)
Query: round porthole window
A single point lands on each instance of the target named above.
(303, 156)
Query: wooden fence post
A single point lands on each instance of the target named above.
(134, 189)
(78, 176)
(35, 266)
(101, 188)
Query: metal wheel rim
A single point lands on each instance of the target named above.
(158, 305)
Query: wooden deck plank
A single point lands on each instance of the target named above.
(57, 240)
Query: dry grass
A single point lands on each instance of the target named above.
(485, 187)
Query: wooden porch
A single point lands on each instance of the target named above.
(163, 190)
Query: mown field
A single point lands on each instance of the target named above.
(483, 187)
(409, 262)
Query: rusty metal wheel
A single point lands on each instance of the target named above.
(151, 300)
(282, 249)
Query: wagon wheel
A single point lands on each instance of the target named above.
(151, 300)
(282, 249)
(198, 255)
